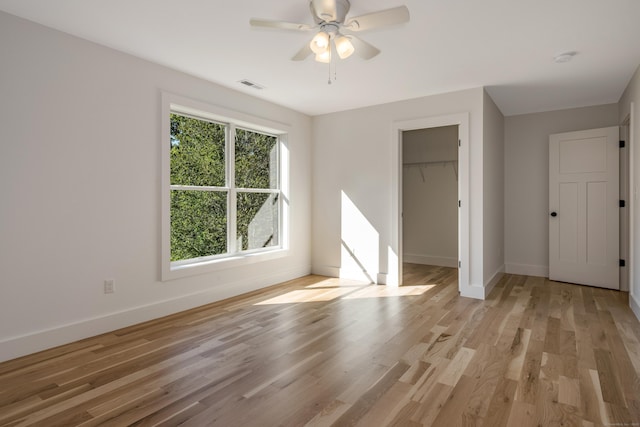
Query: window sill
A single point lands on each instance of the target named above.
(209, 266)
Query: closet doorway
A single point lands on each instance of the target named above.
(430, 176)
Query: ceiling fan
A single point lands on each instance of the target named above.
(334, 29)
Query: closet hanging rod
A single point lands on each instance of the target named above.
(435, 162)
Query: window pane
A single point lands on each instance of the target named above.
(197, 152)
(198, 224)
(257, 220)
(256, 160)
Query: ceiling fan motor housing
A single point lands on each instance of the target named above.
(329, 10)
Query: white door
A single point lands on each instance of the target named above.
(583, 207)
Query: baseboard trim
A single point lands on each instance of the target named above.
(491, 283)
(527, 270)
(326, 270)
(14, 347)
(482, 292)
(430, 260)
(635, 306)
(330, 271)
(473, 291)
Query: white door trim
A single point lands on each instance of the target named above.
(462, 120)
(634, 300)
(625, 194)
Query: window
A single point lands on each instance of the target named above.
(223, 194)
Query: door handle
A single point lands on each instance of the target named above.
(554, 214)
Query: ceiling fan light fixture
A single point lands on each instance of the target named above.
(324, 57)
(330, 18)
(344, 47)
(320, 42)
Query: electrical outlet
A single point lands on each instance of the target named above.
(109, 286)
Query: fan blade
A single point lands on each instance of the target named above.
(384, 18)
(302, 53)
(363, 49)
(280, 25)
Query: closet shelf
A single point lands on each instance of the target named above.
(435, 162)
(420, 165)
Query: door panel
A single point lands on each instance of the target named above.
(583, 203)
(597, 223)
(583, 155)
(568, 230)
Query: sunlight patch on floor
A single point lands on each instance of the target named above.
(339, 283)
(307, 295)
(334, 289)
(389, 291)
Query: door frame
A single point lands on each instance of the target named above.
(462, 121)
(633, 194)
(625, 213)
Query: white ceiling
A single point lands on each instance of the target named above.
(506, 45)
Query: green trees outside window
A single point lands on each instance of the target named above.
(213, 211)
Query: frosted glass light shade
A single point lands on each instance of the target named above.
(344, 47)
(324, 57)
(319, 43)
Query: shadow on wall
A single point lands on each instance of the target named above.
(361, 258)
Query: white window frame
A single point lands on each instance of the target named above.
(231, 119)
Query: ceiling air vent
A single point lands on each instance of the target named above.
(251, 84)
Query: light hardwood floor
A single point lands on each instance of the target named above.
(318, 352)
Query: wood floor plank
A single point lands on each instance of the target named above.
(569, 391)
(452, 411)
(602, 409)
(630, 382)
(549, 411)
(372, 395)
(501, 403)
(432, 403)
(488, 370)
(522, 415)
(609, 381)
(528, 381)
(329, 414)
(395, 407)
(321, 351)
(518, 351)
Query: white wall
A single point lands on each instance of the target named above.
(493, 193)
(632, 95)
(430, 196)
(527, 180)
(80, 195)
(352, 152)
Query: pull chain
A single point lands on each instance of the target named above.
(332, 64)
(330, 61)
